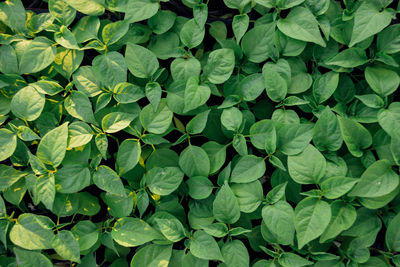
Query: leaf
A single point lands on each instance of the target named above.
(199, 187)
(51, 149)
(168, 225)
(156, 121)
(63, 12)
(354, 135)
(240, 24)
(192, 34)
(220, 65)
(31, 258)
(301, 24)
(198, 123)
(133, 232)
(194, 161)
(311, 218)
(377, 180)
(205, 247)
(108, 180)
(65, 244)
(343, 217)
(86, 233)
(235, 254)
(392, 234)
(337, 186)
(140, 61)
(37, 55)
(8, 143)
(369, 20)
(225, 206)
(88, 7)
(32, 232)
(383, 81)
(128, 155)
(152, 255)
(112, 32)
(277, 79)
(125, 93)
(183, 69)
(292, 139)
(288, 259)
(349, 58)
(79, 106)
(72, 178)
(252, 86)
(164, 181)
(326, 133)
(249, 168)
(389, 119)
(231, 119)
(27, 103)
(257, 43)
(279, 219)
(140, 10)
(195, 94)
(308, 167)
(12, 13)
(388, 39)
(116, 121)
(110, 69)
(325, 86)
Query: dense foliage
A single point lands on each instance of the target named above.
(228, 133)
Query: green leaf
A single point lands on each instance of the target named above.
(277, 79)
(78, 105)
(354, 135)
(27, 103)
(63, 12)
(37, 55)
(116, 121)
(371, 100)
(252, 86)
(225, 206)
(388, 39)
(292, 139)
(288, 259)
(156, 121)
(301, 24)
(108, 180)
(248, 195)
(343, 217)
(183, 69)
(128, 155)
(141, 62)
(240, 24)
(66, 245)
(249, 168)
(153, 94)
(140, 10)
(383, 81)
(199, 187)
(195, 94)
(125, 93)
(164, 181)
(220, 65)
(112, 32)
(377, 180)
(110, 69)
(311, 218)
(86, 28)
(152, 255)
(194, 161)
(326, 133)
(72, 178)
(231, 119)
(133, 232)
(168, 225)
(308, 167)
(337, 186)
(392, 234)
(279, 219)
(389, 119)
(192, 34)
(8, 143)
(162, 21)
(198, 123)
(86, 233)
(369, 19)
(12, 13)
(349, 58)
(52, 147)
(88, 7)
(31, 258)
(263, 135)
(235, 254)
(325, 86)
(257, 43)
(205, 247)
(32, 232)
